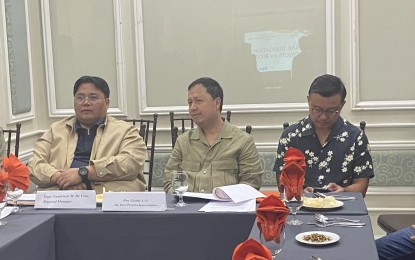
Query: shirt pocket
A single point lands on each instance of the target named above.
(190, 166)
(225, 172)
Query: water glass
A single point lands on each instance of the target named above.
(272, 245)
(14, 195)
(2, 206)
(293, 204)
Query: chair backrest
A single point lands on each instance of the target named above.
(8, 136)
(285, 125)
(184, 123)
(248, 129)
(362, 125)
(147, 128)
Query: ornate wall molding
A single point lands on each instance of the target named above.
(357, 103)
(146, 108)
(18, 63)
(52, 69)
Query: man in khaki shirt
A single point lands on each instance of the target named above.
(90, 150)
(216, 153)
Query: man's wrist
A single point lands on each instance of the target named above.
(54, 178)
(83, 172)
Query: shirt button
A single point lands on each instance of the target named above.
(202, 190)
(101, 174)
(204, 172)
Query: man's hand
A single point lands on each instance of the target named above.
(55, 177)
(333, 187)
(80, 186)
(68, 178)
(308, 190)
(413, 237)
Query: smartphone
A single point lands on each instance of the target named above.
(322, 190)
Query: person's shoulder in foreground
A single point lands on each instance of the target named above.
(336, 151)
(215, 153)
(90, 150)
(399, 245)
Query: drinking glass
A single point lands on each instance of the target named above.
(14, 195)
(272, 245)
(293, 205)
(2, 205)
(180, 186)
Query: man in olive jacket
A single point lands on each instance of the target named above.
(215, 153)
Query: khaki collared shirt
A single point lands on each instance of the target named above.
(118, 150)
(231, 159)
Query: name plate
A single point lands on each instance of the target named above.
(134, 201)
(66, 199)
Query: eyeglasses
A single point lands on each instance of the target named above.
(328, 112)
(81, 98)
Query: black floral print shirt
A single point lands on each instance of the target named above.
(343, 157)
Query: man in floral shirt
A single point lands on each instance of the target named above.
(336, 152)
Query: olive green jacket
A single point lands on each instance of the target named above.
(232, 159)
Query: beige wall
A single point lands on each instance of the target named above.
(364, 42)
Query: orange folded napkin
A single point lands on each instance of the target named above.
(293, 173)
(16, 173)
(251, 250)
(271, 215)
(267, 193)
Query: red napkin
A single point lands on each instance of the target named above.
(271, 215)
(2, 188)
(267, 193)
(293, 173)
(16, 173)
(251, 250)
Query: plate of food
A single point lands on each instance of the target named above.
(317, 238)
(329, 202)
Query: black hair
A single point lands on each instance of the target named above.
(99, 83)
(328, 86)
(212, 87)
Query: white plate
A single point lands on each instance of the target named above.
(334, 237)
(338, 205)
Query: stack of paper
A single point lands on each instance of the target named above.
(232, 198)
(24, 200)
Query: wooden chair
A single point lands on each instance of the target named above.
(248, 129)
(362, 125)
(185, 123)
(394, 222)
(8, 136)
(147, 128)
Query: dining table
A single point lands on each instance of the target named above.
(353, 242)
(176, 233)
(28, 237)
